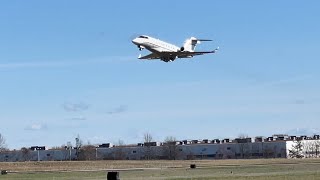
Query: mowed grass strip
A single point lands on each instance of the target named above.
(176, 170)
(94, 165)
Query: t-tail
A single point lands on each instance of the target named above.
(191, 43)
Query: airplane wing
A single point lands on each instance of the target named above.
(181, 54)
(185, 54)
(195, 53)
(150, 56)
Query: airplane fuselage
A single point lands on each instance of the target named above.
(166, 51)
(153, 44)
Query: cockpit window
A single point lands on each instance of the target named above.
(145, 37)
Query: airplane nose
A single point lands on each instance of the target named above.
(135, 41)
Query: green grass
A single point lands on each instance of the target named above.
(55, 176)
(229, 170)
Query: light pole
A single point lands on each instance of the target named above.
(70, 153)
(96, 153)
(38, 154)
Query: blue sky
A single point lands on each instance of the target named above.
(69, 68)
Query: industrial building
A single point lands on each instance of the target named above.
(276, 146)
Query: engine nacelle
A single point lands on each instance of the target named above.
(168, 59)
(182, 48)
(140, 47)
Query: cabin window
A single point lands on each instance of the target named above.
(143, 37)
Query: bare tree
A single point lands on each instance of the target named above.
(119, 153)
(224, 153)
(308, 148)
(147, 146)
(87, 153)
(147, 137)
(191, 156)
(296, 150)
(25, 152)
(170, 148)
(244, 147)
(268, 153)
(312, 148)
(317, 146)
(120, 142)
(3, 145)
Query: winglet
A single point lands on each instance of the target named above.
(215, 50)
(139, 56)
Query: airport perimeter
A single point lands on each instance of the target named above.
(176, 170)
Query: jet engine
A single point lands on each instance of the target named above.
(182, 48)
(140, 47)
(168, 59)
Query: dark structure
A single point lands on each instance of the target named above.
(38, 148)
(113, 176)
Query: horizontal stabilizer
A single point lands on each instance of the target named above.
(204, 40)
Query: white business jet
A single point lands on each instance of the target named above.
(168, 52)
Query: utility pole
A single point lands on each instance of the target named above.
(38, 155)
(70, 153)
(69, 147)
(96, 153)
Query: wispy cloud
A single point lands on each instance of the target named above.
(36, 127)
(303, 131)
(30, 64)
(75, 107)
(284, 81)
(120, 109)
(97, 139)
(80, 118)
(224, 111)
(66, 63)
(299, 101)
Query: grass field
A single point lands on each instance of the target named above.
(176, 170)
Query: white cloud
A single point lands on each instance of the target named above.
(79, 118)
(286, 81)
(75, 107)
(303, 131)
(36, 127)
(223, 110)
(120, 109)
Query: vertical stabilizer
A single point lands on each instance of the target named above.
(190, 44)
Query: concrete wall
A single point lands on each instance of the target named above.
(270, 149)
(44, 155)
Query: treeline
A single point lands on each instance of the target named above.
(305, 149)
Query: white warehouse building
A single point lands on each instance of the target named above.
(276, 146)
